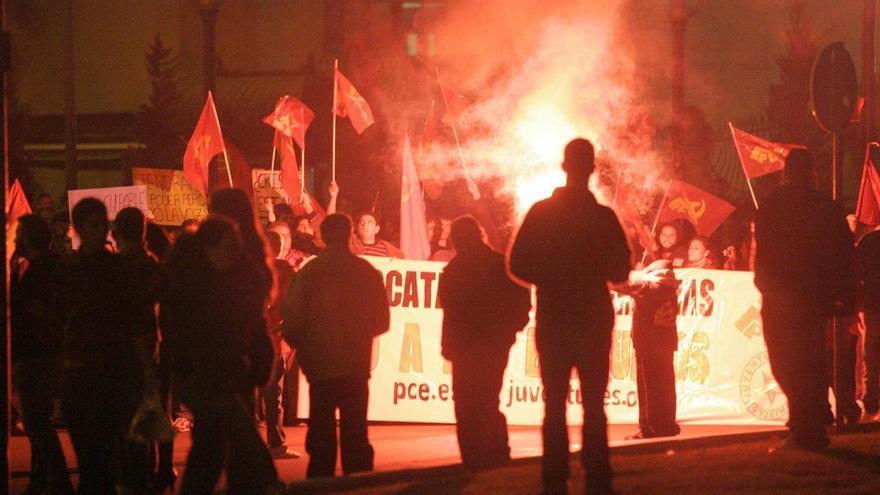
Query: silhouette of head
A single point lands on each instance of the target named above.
(578, 158)
(220, 243)
(336, 229)
(235, 204)
(799, 168)
(90, 222)
(466, 233)
(33, 235)
(130, 225)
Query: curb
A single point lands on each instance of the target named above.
(457, 471)
(346, 483)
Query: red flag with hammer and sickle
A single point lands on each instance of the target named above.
(704, 210)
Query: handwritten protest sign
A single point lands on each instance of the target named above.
(170, 197)
(267, 185)
(114, 198)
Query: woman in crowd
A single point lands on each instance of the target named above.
(217, 348)
(698, 254)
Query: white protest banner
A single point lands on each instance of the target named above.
(721, 367)
(114, 198)
(267, 185)
(171, 198)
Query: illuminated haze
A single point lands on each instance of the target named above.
(541, 76)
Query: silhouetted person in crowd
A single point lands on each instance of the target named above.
(482, 312)
(271, 393)
(216, 333)
(804, 270)
(142, 271)
(235, 205)
(367, 241)
(335, 308)
(868, 273)
(655, 340)
(35, 307)
(100, 343)
(570, 247)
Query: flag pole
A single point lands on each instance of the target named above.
(302, 180)
(742, 164)
(657, 218)
(228, 170)
(272, 165)
(472, 186)
(333, 113)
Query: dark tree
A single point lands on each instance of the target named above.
(159, 126)
(789, 105)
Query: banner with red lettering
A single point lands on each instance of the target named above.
(721, 367)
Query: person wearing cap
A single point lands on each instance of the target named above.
(570, 247)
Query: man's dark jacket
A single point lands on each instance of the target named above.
(804, 249)
(337, 304)
(569, 246)
(482, 308)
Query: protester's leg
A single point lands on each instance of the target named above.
(872, 362)
(321, 436)
(272, 404)
(357, 453)
(91, 424)
(291, 390)
(662, 392)
(847, 343)
(250, 468)
(495, 423)
(593, 374)
(555, 372)
(36, 388)
(795, 345)
(467, 420)
(209, 441)
(642, 387)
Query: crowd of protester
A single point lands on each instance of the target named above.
(141, 323)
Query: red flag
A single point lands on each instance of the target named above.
(205, 143)
(291, 118)
(623, 204)
(454, 102)
(868, 205)
(350, 103)
(413, 226)
(705, 211)
(16, 206)
(759, 157)
(289, 171)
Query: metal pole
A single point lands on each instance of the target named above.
(70, 166)
(5, 52)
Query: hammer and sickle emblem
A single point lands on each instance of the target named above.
(693, 209)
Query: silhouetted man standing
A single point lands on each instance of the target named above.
(35, 304)
(482, 311)
(337, 304)
(98, 349)
(570, 247)
(804, 270)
